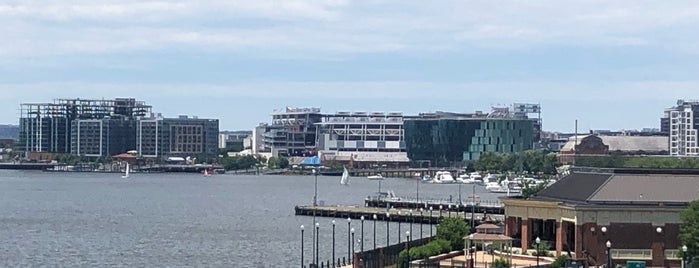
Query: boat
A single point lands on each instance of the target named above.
(376, 177)
(426, 177)
(206, 173)
(345, 177)
(443, 177)
(126, 173)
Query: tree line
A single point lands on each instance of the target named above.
(532, 161)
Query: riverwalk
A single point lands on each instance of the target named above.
(392, 214)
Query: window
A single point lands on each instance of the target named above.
(632, 254)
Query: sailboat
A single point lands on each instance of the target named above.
(345, 177)
(126, 173)
(206, 173)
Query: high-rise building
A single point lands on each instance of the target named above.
(292, 132)
(48, 127)
(102, 137)
(683, 126)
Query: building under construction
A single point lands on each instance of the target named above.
(80, 126)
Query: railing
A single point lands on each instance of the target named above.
(632, 254)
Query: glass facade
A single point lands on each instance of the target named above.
(447, 141)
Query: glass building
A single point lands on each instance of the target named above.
(447, 141)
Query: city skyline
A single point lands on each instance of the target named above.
(610, 65)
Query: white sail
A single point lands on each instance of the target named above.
(345, 177)
(206, 172)
(126, 173)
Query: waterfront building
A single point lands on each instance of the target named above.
(47, 127)
(184, 136)
(606, 145)
(102, 137)
(445, 140)
(292, 132)
(362, 139)
(636, 211)
(681, 122)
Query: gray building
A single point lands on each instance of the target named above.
(292, 132)
(48, 127)
(184, 136)
(102, 137)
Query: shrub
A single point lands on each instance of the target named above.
(500, 263)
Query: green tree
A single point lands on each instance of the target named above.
(689, 230)
(453, 230)
(500, 263)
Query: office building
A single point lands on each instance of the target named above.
(184, 136)
(102, 137)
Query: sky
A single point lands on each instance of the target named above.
(608, 64)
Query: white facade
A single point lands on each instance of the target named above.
(683, 129)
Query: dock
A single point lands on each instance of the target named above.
(392, 214)
(485, 206)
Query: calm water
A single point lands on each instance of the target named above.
(179, 220)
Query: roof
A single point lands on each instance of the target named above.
(488, 237)
(487, 226)
(311, 161)
(124, 155)
(625, 143)
(623, 188)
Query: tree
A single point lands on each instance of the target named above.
(689, 230)
(453, 230)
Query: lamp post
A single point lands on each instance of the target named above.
(317, 239)
(374, 231)
(388, 226)
(430, 221)
(684, 256)
(538, 241)
(352, 231)
(315, 203)
(301, 245)
(449, 210)
(349, 230)
(399, 214)
(407, 243)
(361, 245)
(333, 222)
(411, 221)
(440, 213)
(459, 193)
(473, 208)
(417, 191)
(609, 254)
(421, 220)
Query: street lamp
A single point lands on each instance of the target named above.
(399, 219)
(440, 212)
(333, 222)
(302, 246)
(537, 241)
(374, 231)
(421, 220)
(349, 242)
(430, 221)
(407, 243)
(317, 239)
(449, 210)
(352, 230)
(684, 256)
(388, 226)
(609, 254)
(314, 243)
(411, 220)
(361, 245)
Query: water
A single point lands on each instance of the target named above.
(181, 220)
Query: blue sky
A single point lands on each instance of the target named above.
(609, 64)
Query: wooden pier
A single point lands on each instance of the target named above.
(394, 214)
(487, 207)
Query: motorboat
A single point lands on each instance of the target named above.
(443, 177)
(376, 177)
(426, 178)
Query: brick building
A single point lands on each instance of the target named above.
(636, 210)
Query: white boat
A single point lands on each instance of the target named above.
(206, 173)
(488, 179)
(495, 187)
(376, 177)
(426, 177)
(126, 173)
(443, 177)
(345, 177)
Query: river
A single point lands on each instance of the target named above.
(181, 220)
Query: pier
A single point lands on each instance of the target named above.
(392, 214)
(483, 207)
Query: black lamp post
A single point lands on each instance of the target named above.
(609, 254)
(388, 226)
(684, 256)
(333, 241)
(374, 231)
(421, 220)
(301, 245)
(430, 221)
(314, 242)
(361, 245)
(538, 241)
(349, 241)
(407, 243)
(399, 214)
(411, 222)
(352, 230)
(317, 239)
(449, 210)
(440, 213)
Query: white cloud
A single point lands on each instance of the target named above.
(335, 26)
